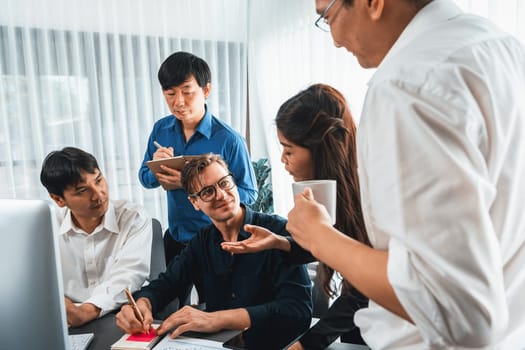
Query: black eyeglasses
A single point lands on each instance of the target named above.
(208, 193)
(322, 21)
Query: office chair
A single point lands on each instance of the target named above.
(158, 262)
(158, 265)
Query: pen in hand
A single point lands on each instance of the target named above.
(168, 151)
(134, 306)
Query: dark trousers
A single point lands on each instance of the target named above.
(172, 248)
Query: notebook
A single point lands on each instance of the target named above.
(138, 341)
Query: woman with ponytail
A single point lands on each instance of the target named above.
(318, 136)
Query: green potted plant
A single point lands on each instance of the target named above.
(264, 202)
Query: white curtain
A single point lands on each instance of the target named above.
(84, 74)
(508, 14)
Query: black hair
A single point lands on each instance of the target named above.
(61, 169)
(180, 66)
(319, 120)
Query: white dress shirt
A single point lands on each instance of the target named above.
(441, 147)
(96, 267)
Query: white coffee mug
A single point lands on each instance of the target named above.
(325, 192)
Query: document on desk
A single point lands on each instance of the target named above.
(186, 343)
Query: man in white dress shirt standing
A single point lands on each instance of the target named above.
(441, 153)
(105, 245)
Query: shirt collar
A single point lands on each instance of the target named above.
(205, 125)
(110, 219)
(248, 219)
(430, 15)
(67, 223)
(109, 222)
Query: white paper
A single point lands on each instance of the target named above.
(185, 343)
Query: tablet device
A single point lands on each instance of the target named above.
(177, 162)
(236, 342)
(255, 340)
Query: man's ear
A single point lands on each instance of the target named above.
(193, 201)
(207, 90)
(375, 9)
(58, 200)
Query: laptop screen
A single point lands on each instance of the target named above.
(32, 307)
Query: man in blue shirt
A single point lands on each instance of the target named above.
(191, 129)
(260, 292)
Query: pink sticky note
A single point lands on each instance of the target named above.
(145, 337)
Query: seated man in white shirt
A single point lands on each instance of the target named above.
(105, 246)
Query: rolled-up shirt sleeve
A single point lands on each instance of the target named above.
(129, 266)
(431, 196)
(146, 177)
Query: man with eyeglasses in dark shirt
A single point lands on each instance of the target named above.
(260, 292)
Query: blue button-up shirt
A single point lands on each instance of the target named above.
(276, 295)
(211, 136)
